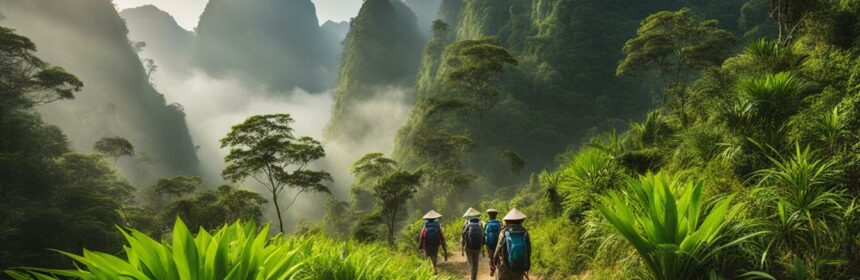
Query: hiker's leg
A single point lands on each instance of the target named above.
(473, 258)
(490, 253)
(432, 254)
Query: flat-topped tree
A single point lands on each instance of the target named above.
(264, 148)
(114, 147)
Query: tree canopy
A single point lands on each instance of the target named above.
(263, 148)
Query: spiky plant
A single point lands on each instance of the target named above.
(237, 251)
(647, 133)
(773, 97)
(805, 182)
(611, 143)
(667, 222)
(777, 58)
(588, 173)
(831, 128)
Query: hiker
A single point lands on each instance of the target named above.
(513, 253)
(431, 238)
(472, 239)
(491, 235)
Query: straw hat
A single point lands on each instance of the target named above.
(514, 215)
(471, 213)
(491, 210)
(432, 215)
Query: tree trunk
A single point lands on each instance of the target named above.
(278, 210)
(391, 226)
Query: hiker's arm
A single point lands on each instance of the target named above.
(421, 238)
(483, 237)
(442, 238)
(499, 247)
(463, 239)
(529, 248)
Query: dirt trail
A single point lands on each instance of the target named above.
(458, 266)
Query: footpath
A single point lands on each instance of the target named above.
(458, 266)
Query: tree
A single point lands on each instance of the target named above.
(263, 148)
(372, 166)
(178, 186)
(679, 47)
(151, 67)
(114, 147)
(392, 192)
(789, 16)
(514, 161)
(368, 172)
(26, 80)
(477, 65)
(215, 208)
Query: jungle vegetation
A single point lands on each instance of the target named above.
(644, 139)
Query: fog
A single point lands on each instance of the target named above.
(187, 12)
(176, 117)
(88, 38)
(213, 105)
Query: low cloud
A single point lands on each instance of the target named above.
(214, 105)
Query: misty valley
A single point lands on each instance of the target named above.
(342, 139)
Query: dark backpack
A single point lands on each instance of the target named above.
(473, 236)
(432, 233)
(491, 237)
(518, 255)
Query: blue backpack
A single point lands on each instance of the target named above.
(432, 234)
(491, 237)
(518, 255)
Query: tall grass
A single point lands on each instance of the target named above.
(668, 224)
(805, 182)
(813, 217)
(237, 251)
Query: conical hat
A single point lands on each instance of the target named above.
(514, 215)
(491, 210)
(471, 213)
(432, 215)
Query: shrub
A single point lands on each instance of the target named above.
(238, 251)
(673, 234)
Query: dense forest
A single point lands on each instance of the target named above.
(672, 139)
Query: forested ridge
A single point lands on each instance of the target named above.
(644, 140)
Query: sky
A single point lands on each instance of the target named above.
(187, 12)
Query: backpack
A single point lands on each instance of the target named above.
(518, 255)
(432, 233)
(492, 235)
(473, 236)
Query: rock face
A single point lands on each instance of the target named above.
(166, 43)
(277, 43)
(335, 31)
(382, 49)
(88, 38)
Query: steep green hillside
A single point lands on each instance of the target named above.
(382, 50)
(276, 43)
(167, 44)
(756, 177)
(564, 86)
(89, 39)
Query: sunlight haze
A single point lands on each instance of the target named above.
(187, 12)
